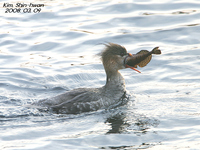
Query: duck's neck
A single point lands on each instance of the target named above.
(115, 81)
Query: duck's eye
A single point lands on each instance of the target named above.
(122, 54)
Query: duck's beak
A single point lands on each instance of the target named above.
(127, 60)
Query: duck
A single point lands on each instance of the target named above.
(113, 94)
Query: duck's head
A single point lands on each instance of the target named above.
(114, 57)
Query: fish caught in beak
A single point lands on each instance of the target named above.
(140, 59)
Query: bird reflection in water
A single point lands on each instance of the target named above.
(139, 124)
(125, 123)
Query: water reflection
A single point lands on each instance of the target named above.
(142, 146)
(118, 123)
(129, 123)
(123, 122)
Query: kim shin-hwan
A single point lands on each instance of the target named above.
(22, 5)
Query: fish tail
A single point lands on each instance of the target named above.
(156, 50)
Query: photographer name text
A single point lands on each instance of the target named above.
(23, 7)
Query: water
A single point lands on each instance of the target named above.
(44, 54)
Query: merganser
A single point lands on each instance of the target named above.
(112, 94)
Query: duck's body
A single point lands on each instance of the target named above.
(92, 99)
(88, 99)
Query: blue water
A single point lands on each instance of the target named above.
(44, 54)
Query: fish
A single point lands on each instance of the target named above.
(141, 59)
